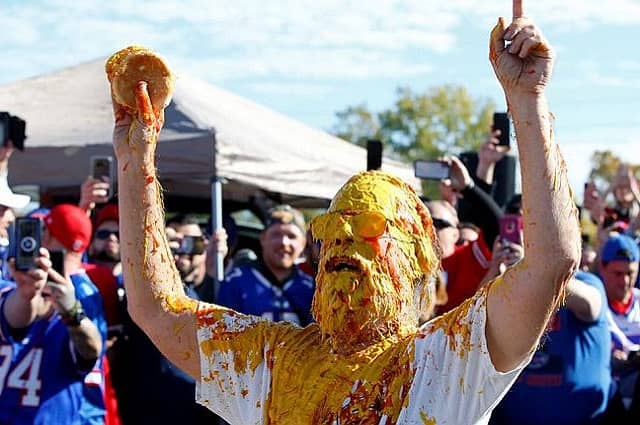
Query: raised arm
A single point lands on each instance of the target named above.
(155, 294)
(520, 305)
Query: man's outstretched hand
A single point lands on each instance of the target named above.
(521, 57)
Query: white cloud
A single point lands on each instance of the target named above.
(260, 32)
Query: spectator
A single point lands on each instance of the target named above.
(68, 228)
(104, 266)
(54, 330)
(191, 250)
(105, 246)
(626, 194)
(568, 381)
(619, 270)
(274, 287)
(8, 202)
(464, 265)
(469, 232)
(105, 270)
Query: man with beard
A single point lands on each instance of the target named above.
(104, 267)
(273, 287)
(188, 245)
(365, 360)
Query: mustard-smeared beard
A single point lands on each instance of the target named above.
(359, 301)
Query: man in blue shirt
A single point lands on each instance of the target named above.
(569, 378)
(52, 332)
(273, 287)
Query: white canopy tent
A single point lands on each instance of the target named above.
(69, 119)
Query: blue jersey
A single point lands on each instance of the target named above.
(569, 378)
(247, 290)
(41, 381)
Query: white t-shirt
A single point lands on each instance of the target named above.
(450, 377)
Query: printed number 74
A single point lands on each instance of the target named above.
(30, 366)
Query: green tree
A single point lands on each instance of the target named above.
(604, 166)
(442, 120)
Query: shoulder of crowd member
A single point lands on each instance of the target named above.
(6, 285)
(304, 277)
(238, 271)
(590, 279)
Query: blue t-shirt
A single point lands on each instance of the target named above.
(246, 289)
(569, 378)
(41, 381)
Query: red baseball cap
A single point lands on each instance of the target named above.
(108, 213)
(70, 225)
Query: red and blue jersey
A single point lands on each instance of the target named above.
(41, 378)
(249, 289)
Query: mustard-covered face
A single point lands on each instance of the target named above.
(377, 243)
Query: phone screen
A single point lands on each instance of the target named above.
(431, 170)
(511, 228)
(101, 167)
(4, 127)
(192, 245)
(57, 261)
(28, 237)
(501, 122)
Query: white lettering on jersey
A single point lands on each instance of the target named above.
(30, 366)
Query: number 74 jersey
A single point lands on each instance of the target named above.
(40, 381)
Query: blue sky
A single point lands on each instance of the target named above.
(309, 59)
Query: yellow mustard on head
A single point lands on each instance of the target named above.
(378, 254)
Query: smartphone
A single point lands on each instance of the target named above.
(28, 237)
(17, 132)
(511, 228)
(431, 170)
(5, 120)
(191, 245)
(501, 122)
(102, 169)
(57, 260)
(374, 154)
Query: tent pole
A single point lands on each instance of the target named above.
(216, 210)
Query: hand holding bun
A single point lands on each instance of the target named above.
(133, 64)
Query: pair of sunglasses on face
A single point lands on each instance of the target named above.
(440, 223)
(104, 234)
(367, 224)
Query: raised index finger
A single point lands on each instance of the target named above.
(518, 11)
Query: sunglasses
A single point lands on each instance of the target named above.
(368, 224)
(440, 224)
(104, 234)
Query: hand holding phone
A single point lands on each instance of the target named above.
(501, 122)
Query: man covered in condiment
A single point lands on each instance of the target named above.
(365, 360)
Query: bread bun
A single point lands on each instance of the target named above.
(133, 64)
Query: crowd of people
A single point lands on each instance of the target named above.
(385, 308)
